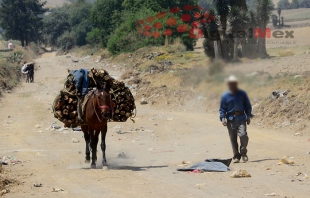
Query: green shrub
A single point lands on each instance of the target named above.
(93, 37)
(66, 41)
(304, 4)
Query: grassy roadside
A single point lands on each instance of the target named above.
(10, 69)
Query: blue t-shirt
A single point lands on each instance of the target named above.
(81, 80)
(231, 103)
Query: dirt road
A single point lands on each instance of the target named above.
(154, 146)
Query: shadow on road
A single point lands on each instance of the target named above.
(262, 160)
(136, 168)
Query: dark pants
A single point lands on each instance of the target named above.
(31, 77)
(236, 129)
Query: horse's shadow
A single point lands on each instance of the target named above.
(136, 168)
(130, 168)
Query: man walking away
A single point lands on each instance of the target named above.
(235, 114)
(25, 71)
(31, 72)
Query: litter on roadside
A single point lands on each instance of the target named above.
(77, 129)
(2, 192)
(200, 185)
(270, 195)
(240, 174)
(186, 162)
(286, 160)
(55, 127)
(209, 165)
(10, 160)
(57, 189)
(75, 140)
(40, 154)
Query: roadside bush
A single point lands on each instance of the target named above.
(93, 38)
(126, 37)
(66, 41)
(9, 75)
(304, 4)
(139, 29)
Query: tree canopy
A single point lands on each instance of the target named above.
(69, 25)
(22, 19)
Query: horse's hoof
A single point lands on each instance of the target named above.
(105, 167)
(87, 161)
(93, 166)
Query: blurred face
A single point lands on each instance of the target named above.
(104, 104)
(233, 86)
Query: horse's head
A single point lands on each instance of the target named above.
(104, 102)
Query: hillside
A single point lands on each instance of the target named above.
(169, 77)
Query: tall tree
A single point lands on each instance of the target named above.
(264, 11)
(22, 19)
(295, 4)
(284, 4)
(155, 5)
(102, 16)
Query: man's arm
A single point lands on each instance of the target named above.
(223, 110)
(248, 108)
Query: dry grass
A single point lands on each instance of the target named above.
(9, 76)
(294, 14)
(286, 53)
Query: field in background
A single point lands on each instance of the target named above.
(294, 14)
(54, 3)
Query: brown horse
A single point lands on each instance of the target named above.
(97, 112)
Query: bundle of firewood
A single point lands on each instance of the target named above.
(120, 94)
(65, 105)
(65, 108)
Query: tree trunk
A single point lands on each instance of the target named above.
(216, 50)
(241, 4)
(23, 42)
(223, 36)
(27, 42)
(235, 49)
(262, 51)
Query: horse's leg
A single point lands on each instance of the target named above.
(103, 146)
(93, 144)
(87, 141)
